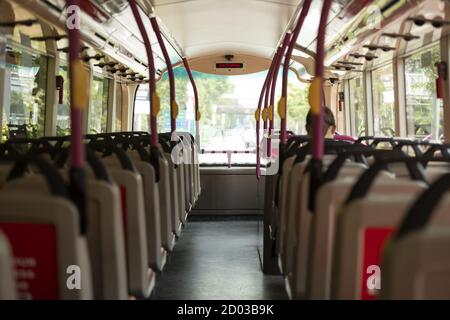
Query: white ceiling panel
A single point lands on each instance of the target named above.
(204, 27)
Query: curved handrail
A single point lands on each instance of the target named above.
(154, 98)
(273, 89)
(196, 101)
(282, 106)
(261, 112)
(173, 103)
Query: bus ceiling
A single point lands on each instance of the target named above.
(238, 37)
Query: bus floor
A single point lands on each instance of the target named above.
(218, 260)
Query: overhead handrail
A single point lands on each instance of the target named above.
(79, 99)
(196, 101)
(154, 98)
(174, 109)
(282, 105)
(316, 100)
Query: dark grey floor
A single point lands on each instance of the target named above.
(218, 260)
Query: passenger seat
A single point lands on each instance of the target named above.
(7, 283)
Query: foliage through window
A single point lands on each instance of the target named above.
(424, 112)
(227, 106)
(357, 107)
(383, 101)
(63, 109)
(26, 76)
(98, 110)
(118, 112)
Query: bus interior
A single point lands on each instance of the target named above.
(224, 150)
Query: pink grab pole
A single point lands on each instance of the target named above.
(317, 110)
(273, 90)
(173, 102)
(154, 104)
(196, 101)
(76, 111)
(316, 100)
(262, 104)
(287, 60)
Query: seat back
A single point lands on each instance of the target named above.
(133, 212)
(104, 235)
(330, 198)
(106, 240)
(7, 284)
(283, 200)
(363, 227)
(301, 230)
(417, 267)
(298, 194)
(51, 256)
(175, 195)
(425, 226)
(166, 202)
(156, 253)
(287, 216)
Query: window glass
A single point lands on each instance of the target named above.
(118, 113)
(63, 109)
(357, 107)
(297, 105)
(24, 110)
(99, 106)
(383, 101)
(227, 107)
(424, 111)
(141, 119)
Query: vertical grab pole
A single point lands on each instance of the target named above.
(174, 109)
(79, 99)
(316, 100)
(261, 112)
(197, 111)
(265, 111)
(154, 98)
(258, 126)
(273, 90)
(282, 105)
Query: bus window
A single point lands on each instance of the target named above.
(141, 118)
(357, 107)
(118, 112)
(298, 106)
(227, 106)
(424, 111)
(63, 110)
(99, 106)
(26, 74)
(184, 98)
(383, 101)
